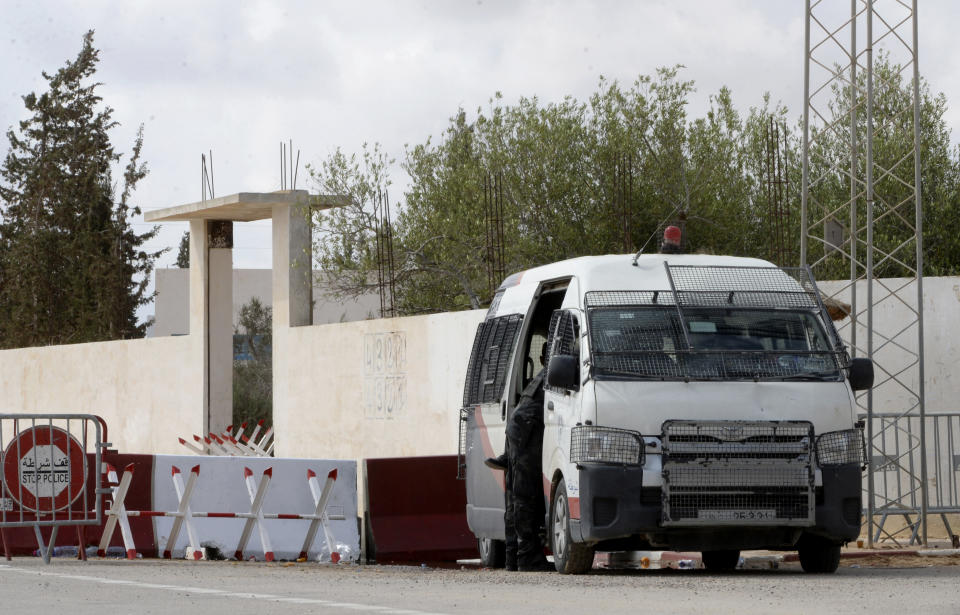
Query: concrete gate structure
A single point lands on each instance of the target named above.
(211, 277)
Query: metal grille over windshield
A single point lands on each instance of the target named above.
(764, 287)
(715, 323)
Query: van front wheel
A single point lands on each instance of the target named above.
(568, 557)
(817, 554)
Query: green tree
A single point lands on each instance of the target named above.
(894, 205)
(607, 175)
(183, 251)
(72, 269)
(765, 236)
(345, 237)
(253, 374)
(441, 230)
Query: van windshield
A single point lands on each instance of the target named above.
(651, 342)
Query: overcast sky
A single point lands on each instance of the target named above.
(238, 77)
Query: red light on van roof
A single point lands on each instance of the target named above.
(672, 234)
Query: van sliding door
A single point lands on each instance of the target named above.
(482, 422)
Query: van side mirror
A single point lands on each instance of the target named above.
(861, 374)
(563, 373)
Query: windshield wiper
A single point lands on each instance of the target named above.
(824, 376)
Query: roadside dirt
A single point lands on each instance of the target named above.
(899, 561)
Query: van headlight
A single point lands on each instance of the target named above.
(836, 448)
(592, 444)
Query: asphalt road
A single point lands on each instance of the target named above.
(177, 587)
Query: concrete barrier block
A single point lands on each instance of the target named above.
(416, 510)
(221, 488)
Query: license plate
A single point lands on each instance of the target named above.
(736, 515)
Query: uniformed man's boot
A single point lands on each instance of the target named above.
(497, 463)
(510, 563)
(530, 556)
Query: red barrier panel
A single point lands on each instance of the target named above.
(416, 510)
(22, 541)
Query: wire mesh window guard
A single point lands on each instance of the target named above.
(769, 287)
(592, 444)
(841, 448)
(717, 323)
(492, 347)
(564, 336)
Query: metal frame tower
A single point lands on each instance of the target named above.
(861, 220)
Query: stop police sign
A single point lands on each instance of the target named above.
(44, 469)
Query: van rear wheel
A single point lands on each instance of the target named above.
(493, 553)
(568, 557)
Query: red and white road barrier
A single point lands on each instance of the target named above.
(256, 514)
(118, 513)
(320, 499)
(235, 445)
(184, 516)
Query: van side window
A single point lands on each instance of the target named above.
(489, 359)
(564, 335)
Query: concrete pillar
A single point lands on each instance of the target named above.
(292, 298)
(292, 265)
(211, 316)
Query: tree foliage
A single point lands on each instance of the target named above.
(345, 237)
(183, 251)
(72, 268)
(893, 174)
(606, 175)
(253, 375)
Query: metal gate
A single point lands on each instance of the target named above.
(896, 464)
(50, 473)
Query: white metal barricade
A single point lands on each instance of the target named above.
(118, 515)
(50, 474)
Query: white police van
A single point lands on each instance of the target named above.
(693, 402)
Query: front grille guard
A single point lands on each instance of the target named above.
(738, 473)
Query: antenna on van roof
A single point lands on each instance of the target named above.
(655, 233)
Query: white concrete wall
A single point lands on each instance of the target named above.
(363, 389)
(895, 346)
(171, 315)
(171, 304)
(149, 391)
(941, 313)
(377, 388)
(324, 380)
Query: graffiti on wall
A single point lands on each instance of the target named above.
(385, 374)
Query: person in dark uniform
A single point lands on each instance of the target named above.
(521, 461)
(525, 506)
